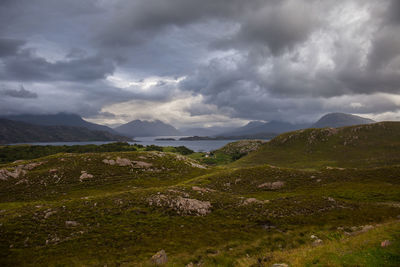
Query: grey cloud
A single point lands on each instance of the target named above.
(394, 11)
(279, 26)
(84, 99)
(18, 93)
(9, 47)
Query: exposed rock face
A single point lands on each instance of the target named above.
(160, 258)
(272, 186)
(280, 265)
(183, 206)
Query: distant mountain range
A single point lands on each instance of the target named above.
(208, 131)
(147, 128)
(60, 119)
(21, 132)
(332, 120)
(87, 131)
(257, 127)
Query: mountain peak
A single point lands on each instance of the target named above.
(147, 128)
(338, 119)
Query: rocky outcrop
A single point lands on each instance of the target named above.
(250, 201)
(242, 147)
(272, 186)
(160, 258)
(18, 171)
(85, 175)
(190, 162)
(71, 224)
(182, 205)
(385, 243)
(123, 162)
(202, 190)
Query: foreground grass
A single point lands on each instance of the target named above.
(362, 249)
(116, 224)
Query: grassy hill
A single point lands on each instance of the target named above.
(21, 132)
(120, 208)
(360, 146)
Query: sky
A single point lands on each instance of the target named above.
(200, 63)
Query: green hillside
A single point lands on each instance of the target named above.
(121, 208)
(362, 146)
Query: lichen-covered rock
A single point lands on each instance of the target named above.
(385, 243)
(242, 147)
(18, 171)
(182, 205)
(85, 175)
(317, 242)
(71, 223)
(249, 201)
(272, 186)
(190, 162)
(160, 258)
(141, 164)
(123, 162)
(202, 190)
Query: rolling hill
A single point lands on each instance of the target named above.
(21, 132)
(60, 119)
(366, 145)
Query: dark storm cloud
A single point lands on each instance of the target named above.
(24, 65)
(261, 84)
(394, 11)
(279, 25)
(144, 18)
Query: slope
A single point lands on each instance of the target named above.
(335, 120)
(121, 208)
(360, 146)
(20, 132)
(60, 119)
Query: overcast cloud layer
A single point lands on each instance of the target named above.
(210, 62)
